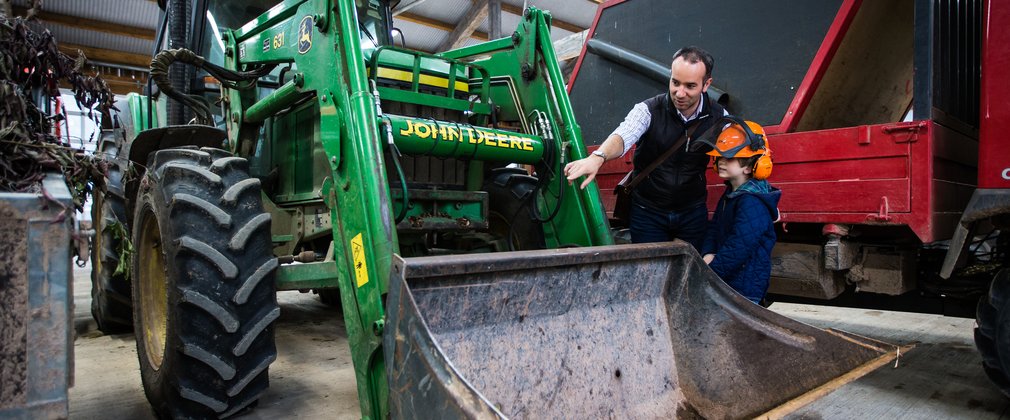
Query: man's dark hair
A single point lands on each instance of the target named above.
(693, 55)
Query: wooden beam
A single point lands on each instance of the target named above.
(122, 85)
(108, 56)
(123, 89)
(114, 81)
(437, 24)
(570, 46)
(494, 19)
(467, 24)
(91, 25)
(555, 22)
(403, 9)
(479, 35)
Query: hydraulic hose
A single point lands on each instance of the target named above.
(178, 14)
(230, 79)
(405, 200)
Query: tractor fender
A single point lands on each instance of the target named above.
(149, 141)
(984, 204)
(173, 136)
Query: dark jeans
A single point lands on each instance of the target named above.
(651, 225)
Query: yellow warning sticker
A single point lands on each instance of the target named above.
(360, 266)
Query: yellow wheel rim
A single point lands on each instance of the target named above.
(152, 286)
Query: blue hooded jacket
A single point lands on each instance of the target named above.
(741, 234)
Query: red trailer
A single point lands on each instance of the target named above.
(885, 120)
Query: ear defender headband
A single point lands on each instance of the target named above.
(762, 168)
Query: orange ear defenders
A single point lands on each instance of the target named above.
(763, 167)
(742, 139)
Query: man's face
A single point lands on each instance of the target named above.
(687, 84)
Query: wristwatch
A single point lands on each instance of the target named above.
(600, 153)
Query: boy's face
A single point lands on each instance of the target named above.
(731, 170)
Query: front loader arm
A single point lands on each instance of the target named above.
(526, 73)
(320, 37)
(319, 40)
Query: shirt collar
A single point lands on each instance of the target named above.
(697, 111)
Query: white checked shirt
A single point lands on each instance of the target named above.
(638, 120)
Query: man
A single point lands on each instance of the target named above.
(670, 202)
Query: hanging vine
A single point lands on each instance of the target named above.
(32, 70)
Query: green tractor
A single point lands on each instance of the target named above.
(424, 194)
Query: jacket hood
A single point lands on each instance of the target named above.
(761, 189)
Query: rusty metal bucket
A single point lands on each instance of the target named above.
(36, 302)
(634, 331)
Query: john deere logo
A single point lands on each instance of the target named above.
(305, 35)
(454, 133)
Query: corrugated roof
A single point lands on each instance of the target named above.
(510, 22)
(419, 37)
(113, 27)
(578, 13)
(70, 35)
(137, 13)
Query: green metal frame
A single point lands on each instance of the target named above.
(320, 39)
(415, 62)
(138, 106)
(529, 64)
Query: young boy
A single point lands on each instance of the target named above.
(740, 237)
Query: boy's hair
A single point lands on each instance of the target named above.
(750, 162)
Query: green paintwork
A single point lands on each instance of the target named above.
(138, 112)
(408, 60)
(444, 208)
(320, 139)
(281, 98)
(426, 66)
(530, 46)
(306, 276)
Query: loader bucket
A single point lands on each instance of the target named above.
(630, 331)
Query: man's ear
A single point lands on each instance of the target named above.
(704, 89)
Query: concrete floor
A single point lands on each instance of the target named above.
(312, 377)
(940, 377)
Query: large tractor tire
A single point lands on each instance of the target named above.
(992, 331)
(203, 284)
(510, 198)
(110, 291)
